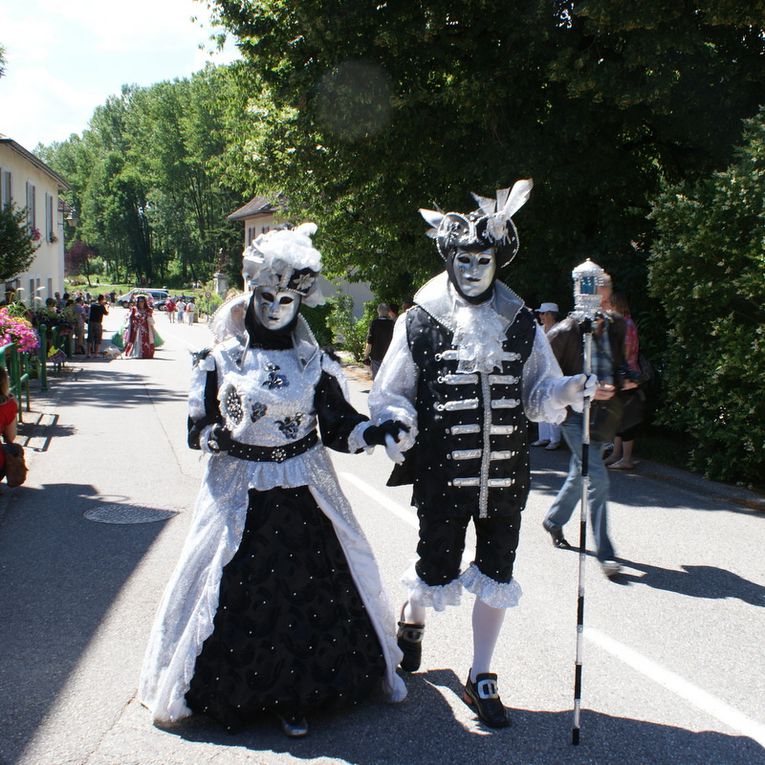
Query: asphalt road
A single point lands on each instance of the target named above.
(674, 667)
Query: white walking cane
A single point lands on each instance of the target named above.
(587, 277)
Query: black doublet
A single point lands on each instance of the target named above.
(471, 455)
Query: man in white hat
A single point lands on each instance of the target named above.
(549, 432)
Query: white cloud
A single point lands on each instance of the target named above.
(65, 59)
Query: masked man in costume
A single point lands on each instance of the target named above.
(276, 604)
(466, 366)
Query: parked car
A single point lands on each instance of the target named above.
(158, 297)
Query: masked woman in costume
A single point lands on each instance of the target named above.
(276, 605)
(139, 330)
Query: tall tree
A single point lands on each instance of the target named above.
(377, 108)
(17, 250)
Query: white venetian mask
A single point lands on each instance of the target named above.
(275, 309)
(474, 271)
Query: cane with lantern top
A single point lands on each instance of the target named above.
(587, 276)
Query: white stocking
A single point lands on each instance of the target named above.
(487, 623)
(414, 613)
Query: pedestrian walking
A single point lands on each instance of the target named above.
(466, 367)
(566, 340)
(95, 325)
(379, 335)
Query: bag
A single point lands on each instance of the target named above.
(633, 408)
(15, 466)
(605, 419)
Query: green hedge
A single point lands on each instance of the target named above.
(708, 270)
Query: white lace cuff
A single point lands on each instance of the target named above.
(494, 594)
(204, 438)
(435, 596)
(356, 440)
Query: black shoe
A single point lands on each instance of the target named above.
(483, 696)
(556, 532)
(409, 639)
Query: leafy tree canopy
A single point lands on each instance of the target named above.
(16, 248)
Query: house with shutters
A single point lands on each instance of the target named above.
(30, 185)
(260, 215)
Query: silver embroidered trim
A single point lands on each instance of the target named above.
(483, 493)
(457, 406)
(503, 430)
(494, 594)
(502, 455)
(511, 356)
(463, 483)
(461, 430)
(505, 403)
(501, 483)
(458, 379)
(503, 380)
(447, 355)
(466, 454)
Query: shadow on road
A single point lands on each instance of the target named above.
(423, 730)
(60, 576)
(707, 582)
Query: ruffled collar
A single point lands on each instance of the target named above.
(478, 330)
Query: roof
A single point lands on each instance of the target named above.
(256, 206)
(36, 161)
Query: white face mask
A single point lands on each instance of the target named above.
(275, 309)
(474, 271)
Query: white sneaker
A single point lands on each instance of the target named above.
(610, 568)
(552, 446)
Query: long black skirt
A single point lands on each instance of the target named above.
(291, 632)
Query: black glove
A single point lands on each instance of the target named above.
(375, 435)
(220, 439)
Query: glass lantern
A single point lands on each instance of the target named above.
(587, 276)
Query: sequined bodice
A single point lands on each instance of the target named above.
(270, 400)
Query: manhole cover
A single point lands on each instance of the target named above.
(128, 514)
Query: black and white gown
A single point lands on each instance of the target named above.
(276, 602)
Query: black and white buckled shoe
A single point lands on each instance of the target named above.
(294, 726)
(409, 639)
(483, 696)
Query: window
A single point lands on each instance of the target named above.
(265, 229)
(31, 211)
(5, 188)
(31, 297)
(50, 226)
(50, 286)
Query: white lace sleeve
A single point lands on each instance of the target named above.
(541, 379)
(395, 386)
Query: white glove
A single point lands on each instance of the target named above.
(575, 389)
(394, 450)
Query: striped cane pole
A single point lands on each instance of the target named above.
(587, 325)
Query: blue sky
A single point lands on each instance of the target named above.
(65, 58)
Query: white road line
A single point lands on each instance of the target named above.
(691, 693)
(696, 696)
(400, 512)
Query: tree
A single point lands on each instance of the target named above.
(17, 250)
(370, 111)
(707, 270)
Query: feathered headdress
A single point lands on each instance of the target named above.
(490, 226)
(285, 259)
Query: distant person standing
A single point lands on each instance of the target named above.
(190, 310)
(549, 433)
(378, 338)
(96, 325)
(180, 308)
(170, 308)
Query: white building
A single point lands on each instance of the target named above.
(31, 185)
(260, 216)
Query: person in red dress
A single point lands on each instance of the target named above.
(8, 410)
(139, 335)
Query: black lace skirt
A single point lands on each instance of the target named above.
(291, 632)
